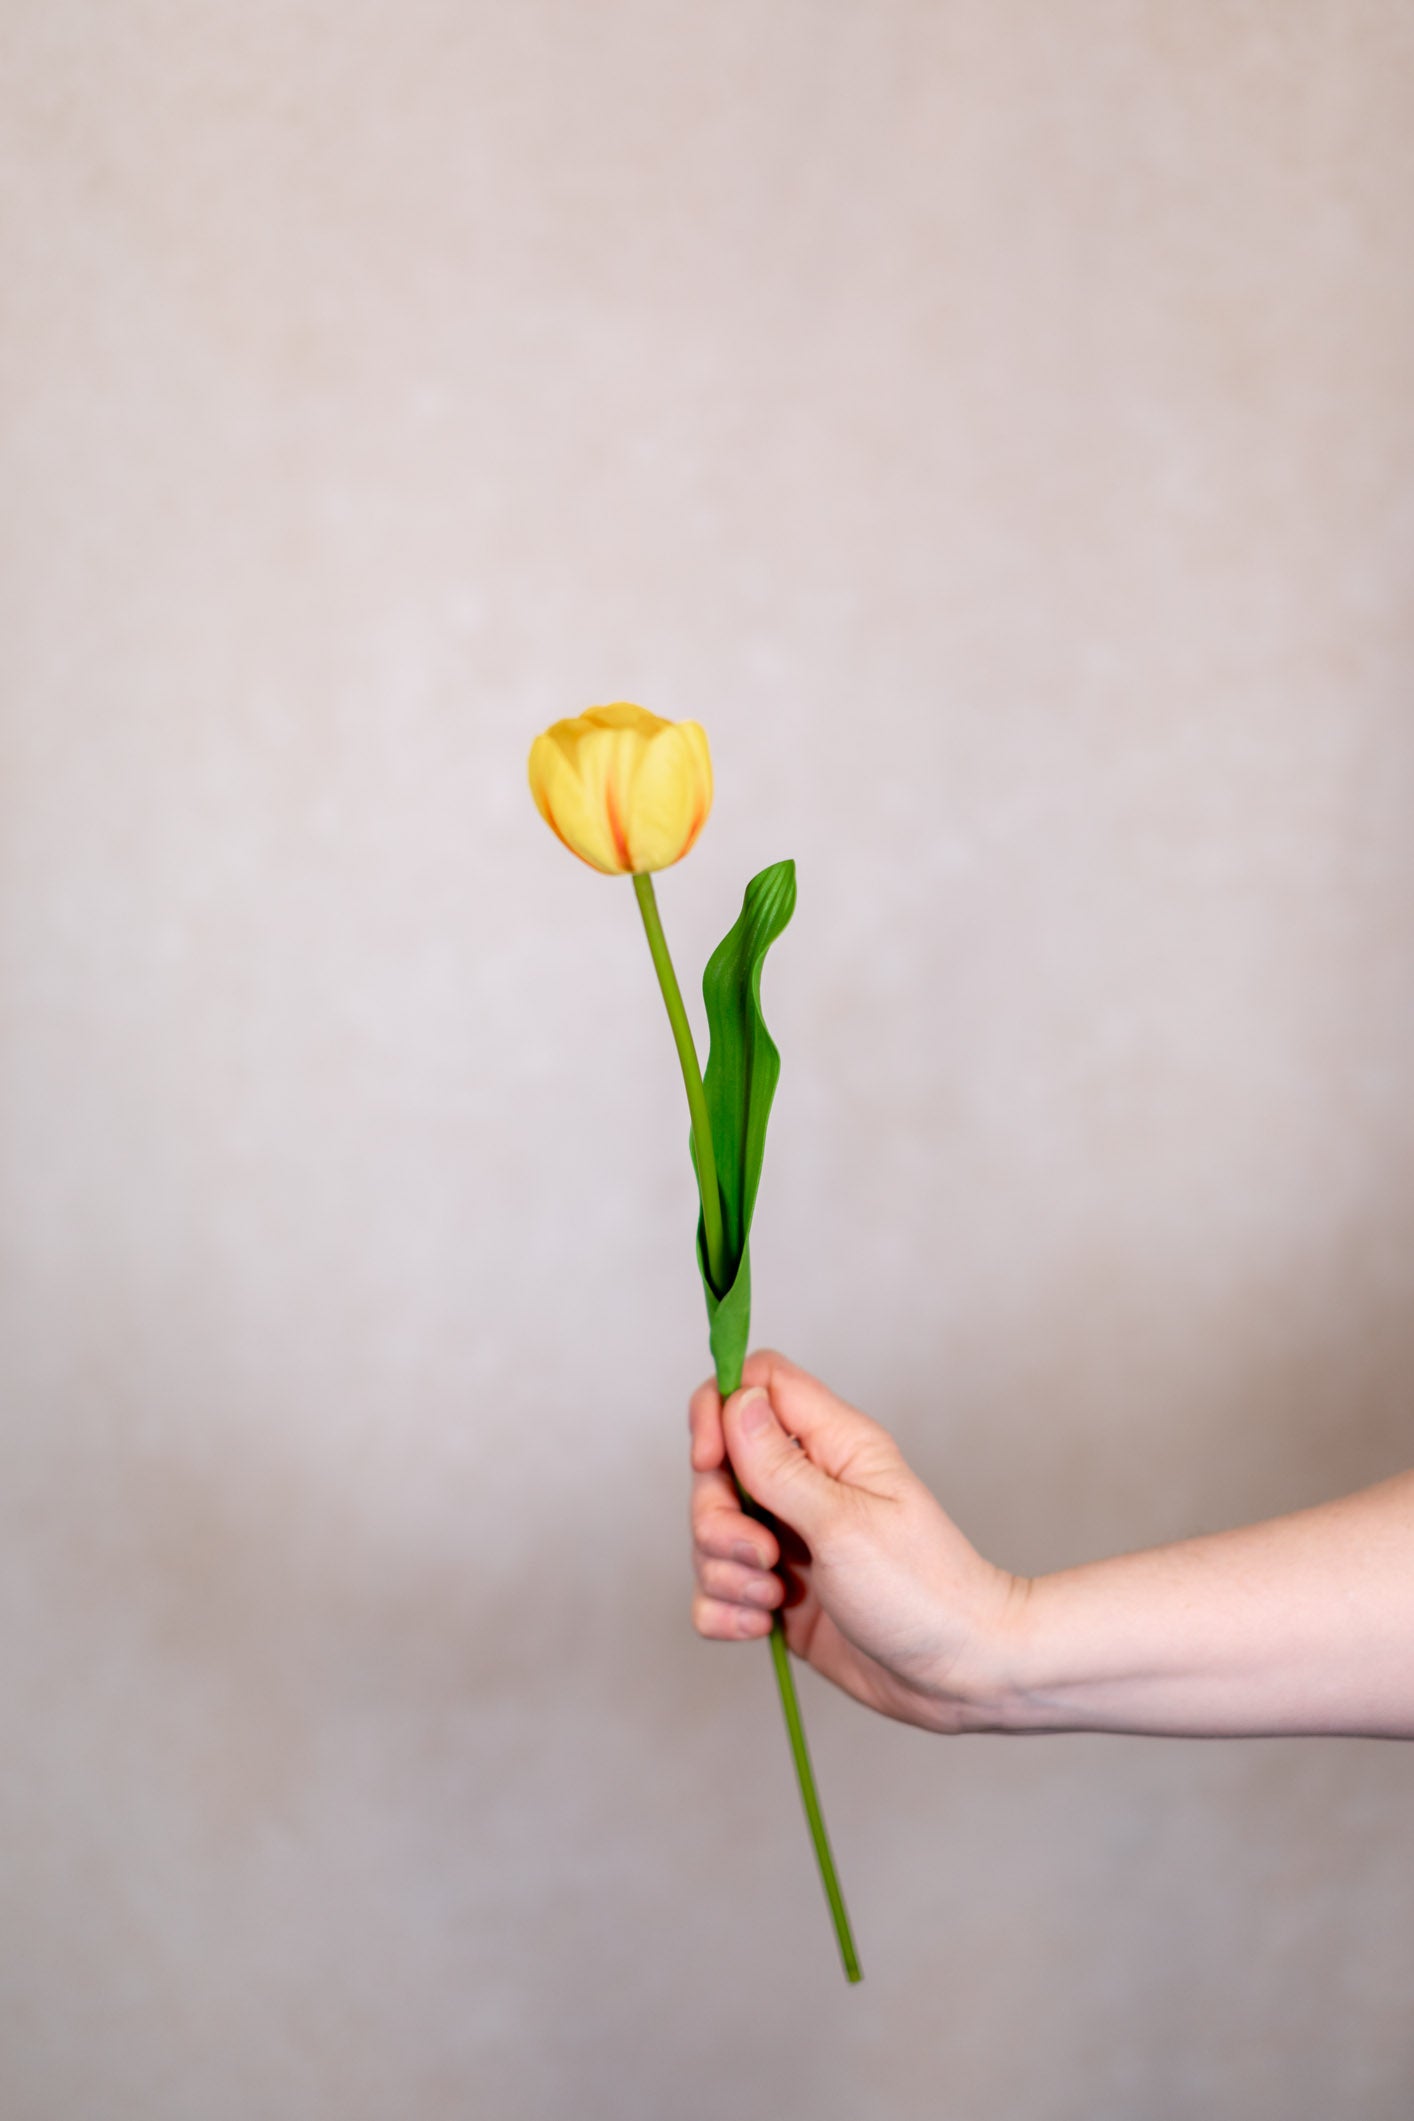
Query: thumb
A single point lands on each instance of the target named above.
(773, 1470)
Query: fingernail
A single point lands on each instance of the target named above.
(745, 1551)
(754, 1411)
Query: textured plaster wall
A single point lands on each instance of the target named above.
(996, 424)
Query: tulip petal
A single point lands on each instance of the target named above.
(667, 809)
(562, 782)
(694, 736)
(622, 714)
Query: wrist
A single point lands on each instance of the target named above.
(984, 1686)
(1046, 1664)
(1014, 1704)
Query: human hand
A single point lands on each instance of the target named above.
(882, 1593)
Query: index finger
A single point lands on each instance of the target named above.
(722, 1528)
(704, 1413)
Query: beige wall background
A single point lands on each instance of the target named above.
(994, 423)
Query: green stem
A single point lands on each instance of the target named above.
(692, 1081)
(805, 1776)
(718, 1268)
(804, 1772)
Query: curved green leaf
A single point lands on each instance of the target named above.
(743, 1067)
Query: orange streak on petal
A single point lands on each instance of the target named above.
(704, 805)
(616, 829)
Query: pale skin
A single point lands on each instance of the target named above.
(1300, 1624)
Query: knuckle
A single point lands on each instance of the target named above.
(720, 1579)
(720, 1622)
(704, 1504)
(714, 1534)
(792, 1469)
(734, 1587)
(702, 1529)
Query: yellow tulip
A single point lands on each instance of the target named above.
(629, 793)
(624, 790)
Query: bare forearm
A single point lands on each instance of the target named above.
(1300, 1624)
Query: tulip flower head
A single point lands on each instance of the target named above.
(624, 790)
